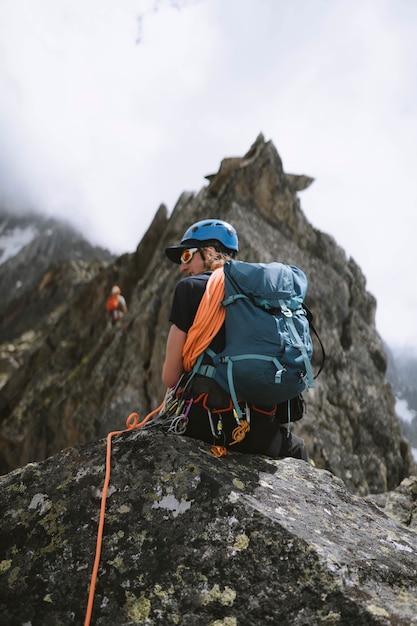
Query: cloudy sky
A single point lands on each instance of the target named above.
(108, 109)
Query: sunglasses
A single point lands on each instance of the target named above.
(188, 254)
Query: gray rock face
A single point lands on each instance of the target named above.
(400, 504)
(82, 379)
(192, 539)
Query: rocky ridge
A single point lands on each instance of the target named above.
(189, 538)
(36, 252)
(85, 378)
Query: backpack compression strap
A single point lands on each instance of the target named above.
(229, 360)
(297, 343)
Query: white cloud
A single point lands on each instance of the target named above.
(104, 116)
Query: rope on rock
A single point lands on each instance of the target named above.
(132, 422)
(208, 320)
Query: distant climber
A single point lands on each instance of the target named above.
(115, 305)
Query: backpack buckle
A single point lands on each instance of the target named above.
(278, 375)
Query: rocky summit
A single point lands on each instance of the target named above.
(189, 538)
(71, 378)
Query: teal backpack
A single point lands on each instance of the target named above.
(266, 359)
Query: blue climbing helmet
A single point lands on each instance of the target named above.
(206, 233)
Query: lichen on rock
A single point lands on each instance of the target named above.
(291, 546)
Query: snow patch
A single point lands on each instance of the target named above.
(12, 241)
(403, 411)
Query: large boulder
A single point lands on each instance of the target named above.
(193, 539)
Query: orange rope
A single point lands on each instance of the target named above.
(131, 424)
(208, 320)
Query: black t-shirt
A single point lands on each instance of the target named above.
(187, 297)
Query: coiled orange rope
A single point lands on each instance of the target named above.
(208, 320)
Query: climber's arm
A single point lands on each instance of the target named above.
(173, 368)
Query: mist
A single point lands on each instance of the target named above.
(109, 110)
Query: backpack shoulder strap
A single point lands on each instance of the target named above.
(310, 319)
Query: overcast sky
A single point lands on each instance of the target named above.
(108, 109)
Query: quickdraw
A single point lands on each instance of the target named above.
(218, 451)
